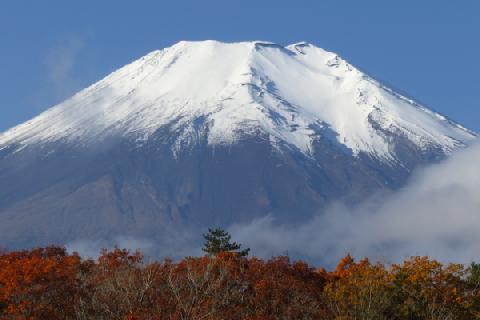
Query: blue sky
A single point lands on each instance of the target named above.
(429, 50)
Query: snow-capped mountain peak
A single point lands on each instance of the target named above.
(208, 133)
(292, 95)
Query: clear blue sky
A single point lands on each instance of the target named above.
(428, 49)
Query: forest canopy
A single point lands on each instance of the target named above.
(50, 283)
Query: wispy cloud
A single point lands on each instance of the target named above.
(62, 75)
(92, 248)
(175, 243)
(437, 213)
(60, 63)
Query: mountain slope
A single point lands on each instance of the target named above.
(206, 133)
(289, 93)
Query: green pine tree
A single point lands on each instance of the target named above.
(218, 240)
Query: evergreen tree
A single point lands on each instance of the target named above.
(218, 240)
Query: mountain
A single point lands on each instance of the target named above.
(209, 134)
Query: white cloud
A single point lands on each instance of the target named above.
(63, 78)
(91, 248)
(437, 214)
(175, 243)
(60, 63)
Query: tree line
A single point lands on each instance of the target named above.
(50, 283)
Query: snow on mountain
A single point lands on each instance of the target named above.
(293, 94)
(208, 134)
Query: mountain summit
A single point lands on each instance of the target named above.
(209, 133)
(293, 95)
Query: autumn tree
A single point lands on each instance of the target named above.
(49, 283)
(358, 290)
(218, 240)
(285, 290)
(209, 287)
(425, 289)
(117, 288)
(472, 282)
(38, 284)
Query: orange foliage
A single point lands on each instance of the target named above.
(431, 290)
(49, 283)
(358, 290)
(38, 284)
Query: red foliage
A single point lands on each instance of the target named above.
(40, 283)
(49, 283)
